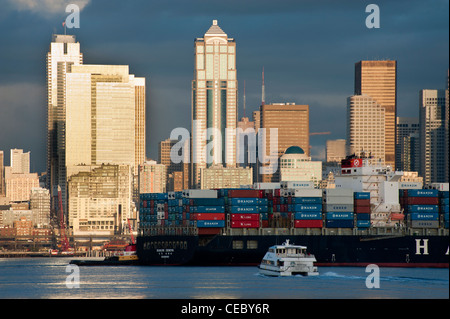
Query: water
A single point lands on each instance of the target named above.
(45, 278)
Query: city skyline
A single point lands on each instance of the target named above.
(316, 68)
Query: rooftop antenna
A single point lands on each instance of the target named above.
(263, 93)
(244, 98)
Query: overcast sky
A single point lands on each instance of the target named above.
(307, 48)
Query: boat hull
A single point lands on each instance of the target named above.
(333, 250)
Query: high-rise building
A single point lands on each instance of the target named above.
(407, 148)
(214, 102)
(365, 127)
(378, 79)
(335, 150)
(432, 135)
(19, 185)
(104, 125)
(20, 161)
(64, 52)
(291, 122)
(447, 142)
(181, 178)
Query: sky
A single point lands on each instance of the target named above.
(308, 50)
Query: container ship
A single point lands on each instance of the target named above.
(369, 217)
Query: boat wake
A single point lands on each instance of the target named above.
(385, 278)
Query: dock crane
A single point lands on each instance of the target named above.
(65, 246)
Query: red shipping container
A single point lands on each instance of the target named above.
(152, 203)
(245, 224)
(210, 216)
(362, 209)
(308, 223)
(422, 201)
(237, 217)
(362, 202)
(240, 193)
(208, 230)
(277, 192)
(265, 223)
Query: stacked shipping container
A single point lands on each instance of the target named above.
(421, 207)
(306, 205)
(247, 208)
(338, 208)
(444, 206)
(361, 206)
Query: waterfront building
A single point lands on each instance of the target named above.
(19, 185)
(100, 200)
(378, 79)
(40, 206)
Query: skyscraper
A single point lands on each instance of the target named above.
(292, 123)
(432, 135)
(406, 150)
(365, 127)
(378, 79)
(101, 117)
(336, 150)
(214, 102)
(63, 53)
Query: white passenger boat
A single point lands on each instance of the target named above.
(288, 260)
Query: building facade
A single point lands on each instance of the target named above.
(335, 150)
(291, 122)
(432, 135)
(407, 155)
(152, 177)
(295, 166)
(365, 127)
(378, 79)
(214, 102)
(218, 176)
(64, 52)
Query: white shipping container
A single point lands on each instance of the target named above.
(305, 192)
(344, 200)
(296, 185)
(344, 192)
(410, 185)
(338, 208)
(200, 193)
(266, 185)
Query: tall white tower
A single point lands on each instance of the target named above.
(214, 102)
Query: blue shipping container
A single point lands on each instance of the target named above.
(424, 216)
(423, 192)
(335, 223)
(446, 217)
(207, 209)
(444, 194)
(308, 215)
(444, 201)
(444, 209)
(423, 208)
(210, 223)
(362, 195)
(339, 216)
(306, 200)
(306, 207)
(248, 209)
(363, 216)
(247, 201)
(363, 223)
(205, 201)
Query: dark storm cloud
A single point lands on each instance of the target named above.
(307, 48)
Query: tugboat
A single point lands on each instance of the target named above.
(288, 260)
